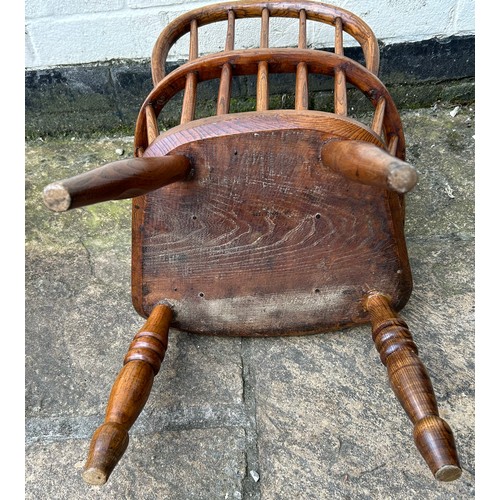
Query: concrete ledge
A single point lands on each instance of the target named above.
(105, 97)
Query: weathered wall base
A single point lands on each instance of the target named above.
(105, 97)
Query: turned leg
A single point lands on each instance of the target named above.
(128, 395)
(411, 384)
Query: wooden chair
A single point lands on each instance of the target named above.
(269, 222)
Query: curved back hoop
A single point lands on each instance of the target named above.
(386, 122)
(340, 19)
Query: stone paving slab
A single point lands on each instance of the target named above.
(313, 416)
(195, 463)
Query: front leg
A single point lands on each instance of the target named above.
(128, 395)
(411, 384)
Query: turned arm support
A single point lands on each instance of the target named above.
(115, 181)
(366, 163)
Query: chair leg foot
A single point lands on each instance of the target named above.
(108, 444)
(411, 384)
(128, 396)
(435, 442)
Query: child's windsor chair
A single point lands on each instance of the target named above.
(271, 222)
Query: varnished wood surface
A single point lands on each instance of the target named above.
(320, 12)
(262, 97)
(340, 92)
(301, 83)
(224, 97)
(233, 125)
(339, 38)
(301, 87)
(413, 388)
(278, 60)
(256, 122)
(128, 396)
(378, 117)
(366, 163)
(189, 99)
(115, 181)
(261, 206)
(393, 145)
(151, 124)
(340, 88)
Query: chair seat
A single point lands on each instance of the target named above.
(263, 239)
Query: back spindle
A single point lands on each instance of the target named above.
(393, 145)
(378, 116)
(301, 90)
(151, 123)
(263, 68)
(189, 102)
(340, 81)
(224, 97)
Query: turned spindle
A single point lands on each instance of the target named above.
(301, 85)
(413, 388)
(263, 68)
(224, 97)
(128, 395)
(189, 100)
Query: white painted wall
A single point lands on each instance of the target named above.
(61, 32)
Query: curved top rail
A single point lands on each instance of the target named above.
(315, 11)
(245, 62)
